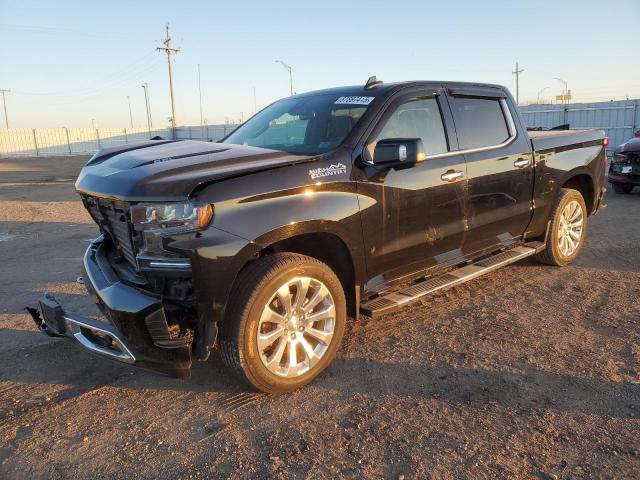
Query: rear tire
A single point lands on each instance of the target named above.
(568, 229)
(284, 323)
(622, 188)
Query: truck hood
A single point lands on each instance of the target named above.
(170, 170)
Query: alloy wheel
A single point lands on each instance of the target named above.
(570, 228)
(296, 327)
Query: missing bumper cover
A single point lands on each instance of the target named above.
(99, 337)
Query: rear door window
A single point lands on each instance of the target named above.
(480, 122)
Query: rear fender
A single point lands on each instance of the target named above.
(553, 170)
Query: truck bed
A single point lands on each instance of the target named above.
(551, 140)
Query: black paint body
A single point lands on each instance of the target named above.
(382, 224)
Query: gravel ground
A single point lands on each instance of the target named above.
(529, 372)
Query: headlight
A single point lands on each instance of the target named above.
(185, 216)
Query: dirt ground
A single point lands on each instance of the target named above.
(529, 372)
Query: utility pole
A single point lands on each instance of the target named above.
(517, 73)
(4, 102)
(168, 49)
(200, 93)
(289, 69)
(130, 115)
(145, 87)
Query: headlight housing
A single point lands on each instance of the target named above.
(179, 216)
(153, 221)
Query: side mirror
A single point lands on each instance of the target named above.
(399, 151)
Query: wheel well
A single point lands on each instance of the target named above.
(584, 185)
(329, 249)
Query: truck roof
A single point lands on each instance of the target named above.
(383, 88)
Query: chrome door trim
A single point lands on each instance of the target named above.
(511, 126)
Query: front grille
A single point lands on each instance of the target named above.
(112, 216)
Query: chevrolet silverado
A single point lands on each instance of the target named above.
(323, 206)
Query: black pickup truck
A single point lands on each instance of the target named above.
(323, 206)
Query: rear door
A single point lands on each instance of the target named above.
(499, 167)
(412, 217)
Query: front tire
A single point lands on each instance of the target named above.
(285, 322)
(568, 229)
(622, 188)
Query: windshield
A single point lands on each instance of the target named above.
(308, 125)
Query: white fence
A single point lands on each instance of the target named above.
(206, 132)
(619, 119)
(86, 141)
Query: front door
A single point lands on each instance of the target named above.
(413, 218)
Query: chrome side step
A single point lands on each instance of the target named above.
(390, 302)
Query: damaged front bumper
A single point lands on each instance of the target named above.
(134, 330)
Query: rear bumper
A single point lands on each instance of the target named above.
(134, 329)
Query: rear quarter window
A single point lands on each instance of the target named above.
(480, 122)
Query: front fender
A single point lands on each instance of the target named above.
(265, 219)
(241, 228)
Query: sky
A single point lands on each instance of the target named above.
(73, 63)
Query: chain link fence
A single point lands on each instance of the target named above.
(619, 119)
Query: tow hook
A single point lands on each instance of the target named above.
(40, 323)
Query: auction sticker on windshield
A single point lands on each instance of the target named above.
(354, 100)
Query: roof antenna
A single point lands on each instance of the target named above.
(372, 82)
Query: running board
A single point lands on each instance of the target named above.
(390, 302)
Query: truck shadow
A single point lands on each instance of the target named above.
(61, 362)
(529, 388)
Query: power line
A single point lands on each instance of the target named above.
(130, 70)
(168, 49)
(99, 93)
(47, 30)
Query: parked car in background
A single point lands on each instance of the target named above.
(624, 170)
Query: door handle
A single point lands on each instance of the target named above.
(451, 175)
(522, 162)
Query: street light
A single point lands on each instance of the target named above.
(130, 115)
(566, 87)
(145, 87)
(290, 74)
(539, 92)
